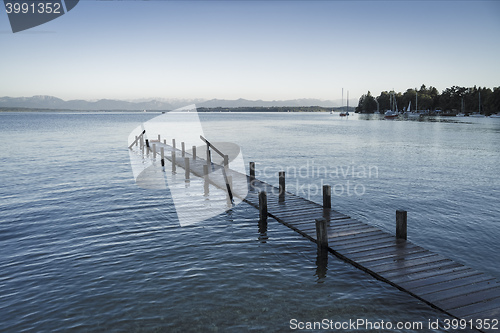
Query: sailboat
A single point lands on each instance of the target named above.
(478, 114)
(345, 113)
(389, 114)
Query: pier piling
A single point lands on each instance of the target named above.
(188, 171)
(321, 233)
(263, 207)
(173, 162)
(327, 196)
(194, 152)
(282, 186)
(401, 225)
(183, 149)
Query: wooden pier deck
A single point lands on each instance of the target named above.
(451, 287)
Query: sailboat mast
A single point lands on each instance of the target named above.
(342, 99)
(348, 100)
(479, 101)
(416, 100)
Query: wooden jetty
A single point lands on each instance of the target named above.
(451, 287)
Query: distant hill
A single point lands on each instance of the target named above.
(51, 102)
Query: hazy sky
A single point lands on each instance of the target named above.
(252, 49)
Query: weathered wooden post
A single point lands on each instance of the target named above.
(321, 233)
(164, 141)
(183, 149)
(142, 141)
(194, 152)
(173, 161)
(147, 143)
(401, 225)
(173, 144)
(252, 171)
(327, 196)
(208, 155)
(206, 179)
(159, 140)
(226, 161)
(154, 151)
(162, 153)
(186, 166)
(136, 138)
(163, 163)
(282, 186)
(263, 207)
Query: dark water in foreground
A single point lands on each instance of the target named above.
(83, 248)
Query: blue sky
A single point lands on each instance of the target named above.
(252, 49)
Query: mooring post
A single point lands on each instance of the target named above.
(162, 153)
(163, 163)
(327, 196)
(263, 206)
(173, 144)
(154, 151)
(142, 141)
(321, 233)
(194, 152)
(159, 140)
(252, 171)
(173, 161)
(186, 166)
(147, 143)
(136, 139)
(401, 225)
(164, 141)
(183, 149)
(282, 186)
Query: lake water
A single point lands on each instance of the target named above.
(82, 248)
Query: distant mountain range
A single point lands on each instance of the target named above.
(51, 102)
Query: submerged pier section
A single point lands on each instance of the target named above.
(451, 287)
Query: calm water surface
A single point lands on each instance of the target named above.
(83, 248)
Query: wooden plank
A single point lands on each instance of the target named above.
(422, 283)
(391, 246)
(492, 313)
(453, 290)
(478, 310)
(350, 245)
(452, 283)
(370, 237)
(426, 268)
(354, 232)
(407, 266)
(331, 230)
(398, 250)
(392, 257)
(357, 237)
(445, 269)
(468, 299)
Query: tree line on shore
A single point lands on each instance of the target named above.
(451, 100)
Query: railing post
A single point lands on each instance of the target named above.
(401, 225)
(136, 138)
(183, 149)
(263, 206)
(205, 178)
(162, 153)
(208, 154)
(321, 233)
(327, 196)
(186, 166)
(154, 151)
(194, 152)
(173, 161)
(281, 186)
(173, 144)
(226, 161)
(159, 138)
